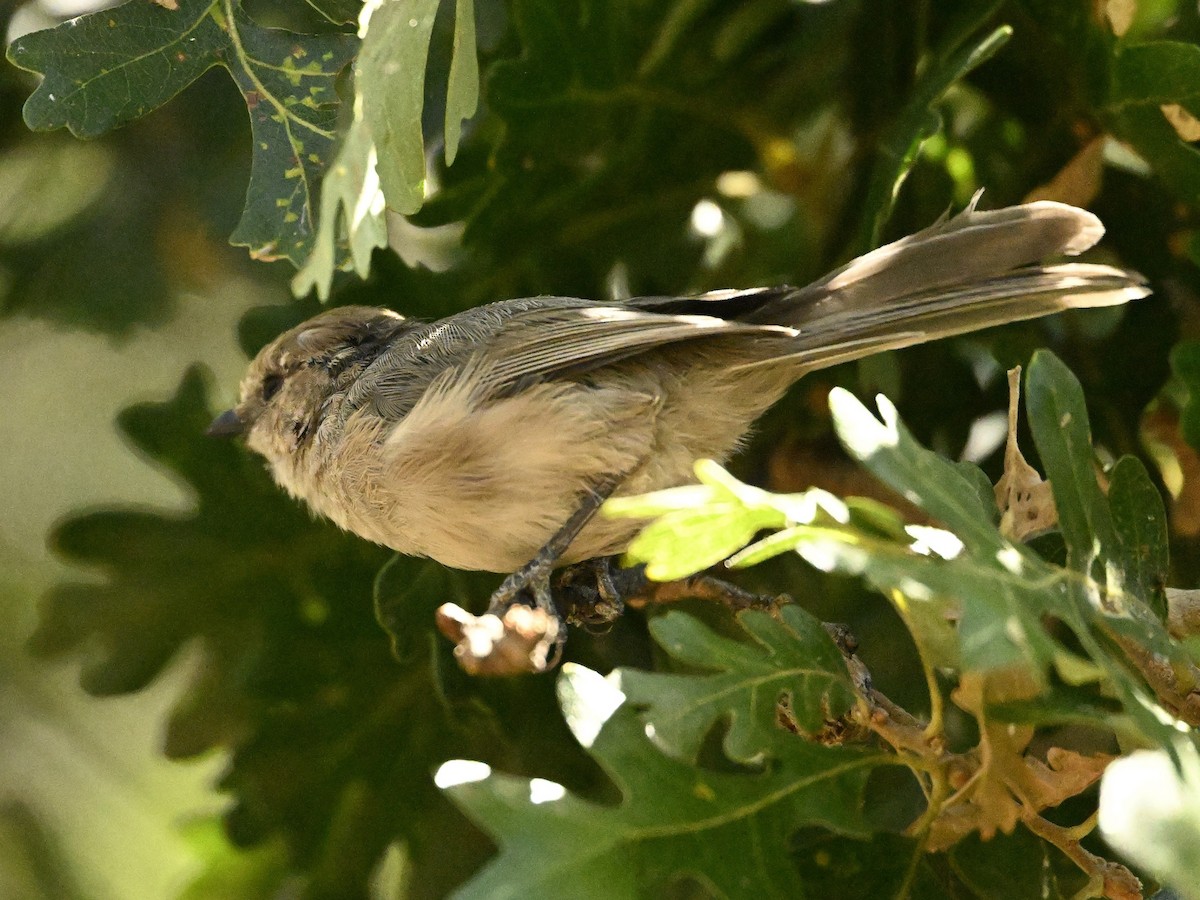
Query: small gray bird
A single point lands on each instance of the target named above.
(487, 440)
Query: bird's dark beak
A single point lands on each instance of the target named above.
(227, 424)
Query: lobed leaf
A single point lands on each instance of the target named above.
(792, 659)
(731, 832)
(381, 162)
(107, 68)
(331, 738)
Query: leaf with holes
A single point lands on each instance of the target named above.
(793, 658)
(733, 831)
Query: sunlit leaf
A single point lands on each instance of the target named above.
(1150, 810)
(390, 75)
(673, 820)
(462, 90)
(352, 212)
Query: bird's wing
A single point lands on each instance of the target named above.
(509, 345)
(540, 344)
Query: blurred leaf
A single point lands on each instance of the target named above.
(46, 184)
(1185, 363)
(673, 821)
(228, 872)
(107, 68)
(32, 865)
(1150, 811)
(1146, 77)
(1016, 866)
(792, 659)
(1158, 72)
(919, 120)
(887, 865)
(333, 741)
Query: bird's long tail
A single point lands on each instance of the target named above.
(972, 271)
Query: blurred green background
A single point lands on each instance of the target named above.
(626, 147)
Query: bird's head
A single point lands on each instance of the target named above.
(285, 390)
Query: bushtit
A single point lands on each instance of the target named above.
(488, 439)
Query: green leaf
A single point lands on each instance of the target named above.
(1015, 867)
(1158, 72)
(1140, 520)
(898, 149)
(390, 77)
(1107, 594)
(104, 69)
(887, 865)
(947, 491)
(1059, 421)
(289, 83)
(1144, 78)
(32, 864)
(339, 12)
(381, 162)
(462, 90)
(792, 658)
(352, 212)
(730, 831)
(689, 542)
(997, 592)
(45, 183)
(247, 875)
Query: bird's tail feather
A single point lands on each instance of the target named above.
(972, 271)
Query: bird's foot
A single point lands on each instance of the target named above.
(521, 631)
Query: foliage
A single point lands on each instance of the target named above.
(436, 155)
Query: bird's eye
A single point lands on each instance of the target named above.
(270, 386)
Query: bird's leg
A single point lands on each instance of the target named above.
(511, 637)
(534, 577)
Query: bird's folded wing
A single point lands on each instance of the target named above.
(542, 344)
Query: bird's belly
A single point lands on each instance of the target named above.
(485, 486)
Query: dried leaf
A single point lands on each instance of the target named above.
(1023, 496)
(1185, 124)
(1119, 13)
(1078, 182)
(1183, 612)
(1000, 783)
